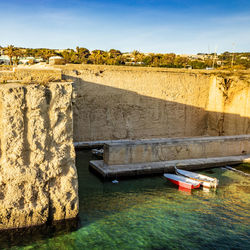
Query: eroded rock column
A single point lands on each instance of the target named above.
(38, 178)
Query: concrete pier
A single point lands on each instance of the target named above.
(141, 157)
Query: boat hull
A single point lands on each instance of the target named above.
(182, 182)
(184, 185)
(204, 180)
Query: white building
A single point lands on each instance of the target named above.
(4, 59)
(56, 60)
(26, 60)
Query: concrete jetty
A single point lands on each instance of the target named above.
(139, 157)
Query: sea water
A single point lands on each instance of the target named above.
(150, 213)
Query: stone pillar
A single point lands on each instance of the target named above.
(38, 178)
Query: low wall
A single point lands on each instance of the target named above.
(38, 178)
(158, 156)
(143, 151)
(31, 74)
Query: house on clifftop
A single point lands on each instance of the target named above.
(56, 60)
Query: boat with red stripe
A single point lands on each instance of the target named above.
(205, 181)
(182, 181)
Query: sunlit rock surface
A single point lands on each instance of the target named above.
(38, 178)
(119, 103)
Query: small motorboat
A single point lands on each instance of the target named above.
(98, 152)
(182, 182)
(205, 181)
(236, 170)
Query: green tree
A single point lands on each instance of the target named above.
(196, 64)
(82, 54)
(137, 56)
(10, 51)
(18, 53)
(45, 54)
(113, 53)
(99, 56)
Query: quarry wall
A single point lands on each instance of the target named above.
(135, 103)
(115, 102)
(38, 178)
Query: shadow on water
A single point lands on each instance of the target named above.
(245, 167)
(25, 236)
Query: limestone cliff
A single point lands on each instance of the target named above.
(135, 103)
(38, 178)
(114, 102)
(229, 105)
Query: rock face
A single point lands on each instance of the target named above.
(38, 178)
(125, 103)
(114, 103)
(141, 103)
(229, 106)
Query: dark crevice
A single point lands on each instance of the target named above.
(26, 145)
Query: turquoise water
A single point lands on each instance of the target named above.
(151, 213)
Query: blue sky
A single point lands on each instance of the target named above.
(177, 26)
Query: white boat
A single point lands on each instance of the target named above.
(236, 170)
(182, 181)
(98, 152)
(204, 180)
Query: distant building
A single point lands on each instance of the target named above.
(134, 63)
(1, 51)
(56, 60)
(62, 50)
(4, 59)
(199, 56)
(27, 60)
